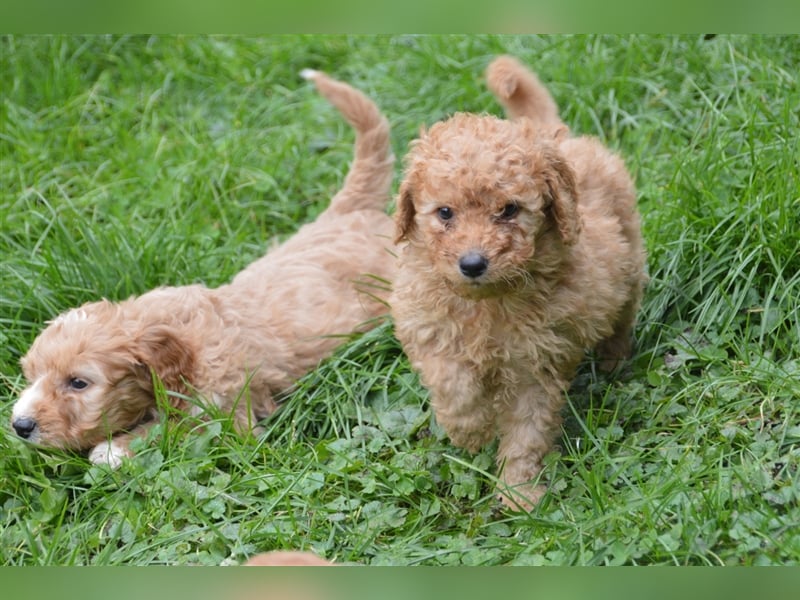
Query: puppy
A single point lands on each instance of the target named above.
(90, 372)
(521, 248)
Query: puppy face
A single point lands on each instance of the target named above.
(480, 199)
(88, 378)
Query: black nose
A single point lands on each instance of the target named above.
(24, 427)
(473, 264)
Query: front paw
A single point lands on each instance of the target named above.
(109, 453)
(522, 497)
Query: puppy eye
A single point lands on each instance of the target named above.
(78, 384)
(509, 211)
(445, 213)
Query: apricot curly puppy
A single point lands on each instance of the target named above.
(238, 345)
(522, 249)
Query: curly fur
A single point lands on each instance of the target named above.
(520, 249)
(237, 346)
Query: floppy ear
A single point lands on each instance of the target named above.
(158, 349)
(404, 215)
(563, 197)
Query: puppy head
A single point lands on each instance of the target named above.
(89, 376)
(486, 203)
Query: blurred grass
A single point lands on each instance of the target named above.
(362, 16)
(128, 162)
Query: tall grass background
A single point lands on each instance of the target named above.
(128, 162)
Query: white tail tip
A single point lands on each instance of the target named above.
(309, 74)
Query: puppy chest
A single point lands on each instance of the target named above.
(496, 342)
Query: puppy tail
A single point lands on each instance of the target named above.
(367, 185)
(521, 93)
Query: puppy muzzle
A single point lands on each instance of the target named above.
(24, 426)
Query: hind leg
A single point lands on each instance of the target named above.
(616, 348)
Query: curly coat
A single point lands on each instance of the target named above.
(520, 249)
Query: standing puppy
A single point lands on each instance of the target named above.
(520, 249)
(90, 372)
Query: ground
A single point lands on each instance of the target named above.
(131, 162)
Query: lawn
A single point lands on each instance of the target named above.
(132, 162)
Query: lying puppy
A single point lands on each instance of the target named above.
(521, 249)
(237, 346)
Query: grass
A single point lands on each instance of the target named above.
(130, 162)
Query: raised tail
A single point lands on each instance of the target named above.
(521, 93)
(367, 185)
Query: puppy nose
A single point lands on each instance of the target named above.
(24, 427)
(473, 264)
